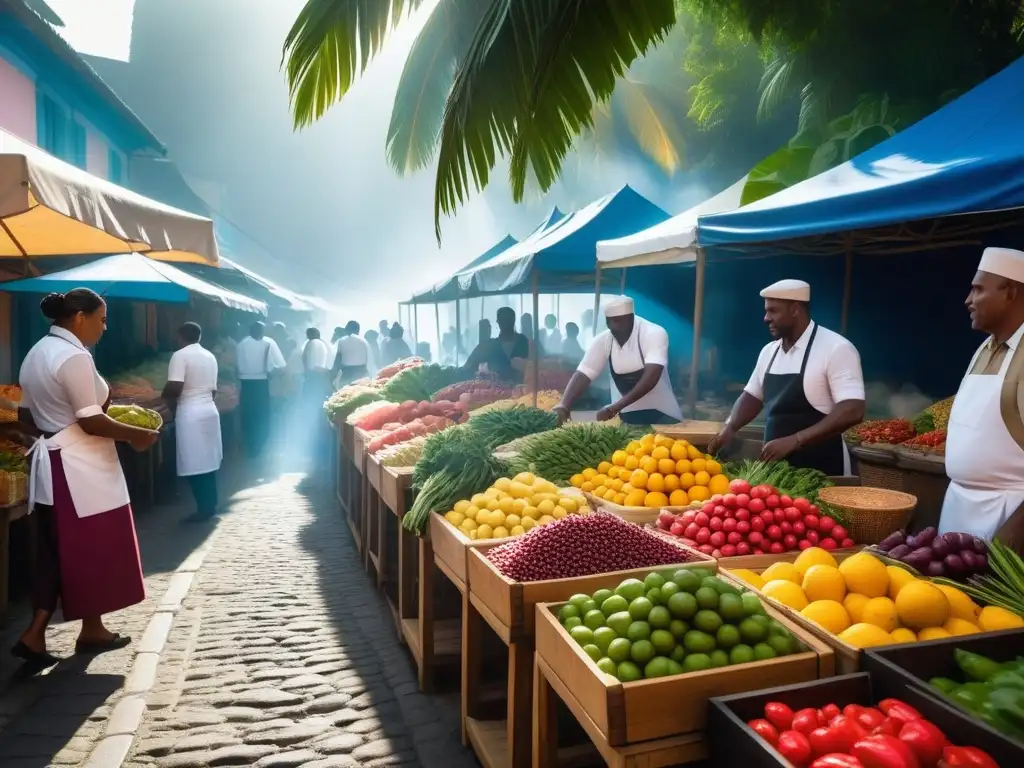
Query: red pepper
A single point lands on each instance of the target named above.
(870, 718)
(847, 731)
(795, 747)
(830, 712)
(837, 760)
(805, 720)
(779, 715)
(925, 740)
(827, 741)
(884, 752)
(966, 757)
(851, 710)
(897, 710)
(889, 727)
(765, 730)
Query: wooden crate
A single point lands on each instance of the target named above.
(760, 562)
(451, 548)
(395, 483)
(629, 713)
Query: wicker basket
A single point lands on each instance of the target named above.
(13, 488)
(877, 467)
(873, 513)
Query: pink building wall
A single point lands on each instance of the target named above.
(17, 103)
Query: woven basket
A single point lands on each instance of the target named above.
(873, 513)
(13, 488)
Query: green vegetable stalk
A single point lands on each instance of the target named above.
(975, 666)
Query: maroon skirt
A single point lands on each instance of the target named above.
(98, 556)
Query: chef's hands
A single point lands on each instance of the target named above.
(607, 413)
(780, 448)
(721, 440)
(144, 439)
(562, 413)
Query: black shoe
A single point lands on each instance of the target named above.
(201, 517)
(40, 659)
(94, 648)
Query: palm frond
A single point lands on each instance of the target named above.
(330, 45)
(814, 106)
(652, 125)
(778, 82)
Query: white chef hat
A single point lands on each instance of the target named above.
(619, 307)
(788, 290)
(1004, 262)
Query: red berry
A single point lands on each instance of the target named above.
(799, 529)
(758, 551)
(768, 517)
(774, 533)
(772, 501)
(728, 550)
(729, 500)
(742, 500)
(701, 519)
(811, 522)
(739, 486)
(755, 538)
(717, 539)
(691, 531)
(719, 511)
(804, 544)
(756, 506)
(742, 549)
(687, 517)
(812, 536)
(729, 525)
(803, 505)
(716, 553)
(707, 549)
(708, 508)
(742, 514)
(715, 524)
(828, 543)
(839, 533)
(826, 524)
(776, 548)
(734, 538)
(793, 514)
(785, 501)
(847, 543)
(677, 529)
(786, 526)
(757, 524)
(742, 526)
(789, 541)
(703, 536)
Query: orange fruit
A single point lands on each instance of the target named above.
(655, 499)
(632, 462)
(648, 440)
(678, 450)
(656, 483)
(702, 478)
(719, 484)
(642, 451)
(589, 474)
(667, 467)
(663, 441)
(699, 493)
(635, 499)
(603, 467)
(692, 453)
(616, 485)
(649, 464)
(587, 486)
(683, 466)
(678, 498)
(638, 479)
(687, 481)
(713, 467)
(697, 465)
(633, 447)
(659, 453)
(619, 458)
(610, 494)
(671, 483)
(620, 499)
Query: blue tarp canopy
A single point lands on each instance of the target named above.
(446, 290)
(135, 277)
(967, 157)
(563, 252)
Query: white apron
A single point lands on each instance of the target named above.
(984, 463)
(197, 434)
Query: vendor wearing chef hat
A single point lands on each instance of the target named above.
(985, 437)
(636, 353)
(809, 383)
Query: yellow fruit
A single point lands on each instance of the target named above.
(631, 463)
(620, 498)
(526, 478)
(530, 512)
(699, 493)
(545, 519)
(518, 505)
(829, 614)
(671, 483)
(619, 458)
(719, 484)
(484, 532)
(678, 498)
(568, 503)
(865, 575)
(641, 452)
(683, 466)
(587, 487)
(546, 507)
(880, 611)
(813, 556)
(993, 618)
(656, 483)
(649, 465)
(497, 518)
(748, 577)
(659, 453)
(638, 479)
(614, 472)
(957, 626)
(656, 499)
(787, 593)
(517, 530)
(785, 571)
(960, 605)
(865, 636)
(507, 505)
(469, 525)
(455, 518)
(678, 450)
(462, 506)
(702, 478)
(687, 481)
(903, 635)
(603, 467)
(699, 465)
(713, 468)
(609, 495)
(502, 484)
(633, 447)
(511, 521)
(501, 532)
(932, 633)
(528, 523)
(898, 578)
(647, 441)
(493, 504)
(479, 500)
(635, 499)
(854, 605)
(588, 474)
(663, 441)
(600, 480)
(921, 604)
(692, 453)
(823, 582)
(666, 466)
(472, 511)
(523, 491)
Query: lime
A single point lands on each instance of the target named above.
(640, 608)
(659, 617)
(678, 654)
(593, 619)
(601, 595)
(614, 604)
(663, 641)
(578, 600)
(762, 620)
(655, 596)
(592, 651)
(657, 667)
(763, 652)
(741, 654)
(726, 637)
(707, 598)
(603, 637)
(638, 630)
(642, 651)
(573, 621)
(682, 605)
(698, 642)
(618, 650)
(674, 667)
(629, 672)
(782, 643)
(608, 666)
(751, 631)
(620, 622)
(678, 628)
(568, 611)
(721, 587)
(719, 658)
(582, 635)
(730, 608)
(631, 589)
(701, 573)
(707, 621)
(588, 606)
(654, 580)
(668, 589)
(751, 604)
(687, 580)
(696, 662)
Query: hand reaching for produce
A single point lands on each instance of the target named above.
(607, 413)
(562, 413)
(721, 440)
(780, 448)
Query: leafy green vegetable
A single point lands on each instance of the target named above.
(419, 383)
(559, 454)
(1004, 586)
(500, 426)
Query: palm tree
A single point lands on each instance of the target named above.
(484, 79)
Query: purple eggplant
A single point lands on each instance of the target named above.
(982, 565)
(919, 558)
(899, 552)
(925, 536)
(892, 540)
(970, 558)
(953, 538)
(940, 548)
(936, 568)
(954, 564)
(979, 545)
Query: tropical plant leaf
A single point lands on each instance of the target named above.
(651, 123)
(780, 79)
(330, 45)
(783, 168)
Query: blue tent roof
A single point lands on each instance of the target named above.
(136, 277)
(565, 248)
(967, 157)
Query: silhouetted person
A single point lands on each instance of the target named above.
(395, 347)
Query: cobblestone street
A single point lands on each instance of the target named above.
(281, 654)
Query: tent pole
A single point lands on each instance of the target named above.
(847, 286)
(597, 299)
(536, 337)
(415, 308)
(622, 283)
(698, 323)
(437, 320)
(458, 329)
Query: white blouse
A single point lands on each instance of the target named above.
(60, 382)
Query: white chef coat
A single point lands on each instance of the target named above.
(257, 358)
(984, 461)
(652, 341)
(353, 351)
(197, 421)
(316, 355)
(61, 385)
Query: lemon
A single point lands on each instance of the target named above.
(957, 626)
(865, 636)
(455, 518)
(823, 582)
(994, 618)
(497, 518)
(462, 506)
(854, 605)
(880, 611)
(813, 556)
(633, 447)
(520, 491)
(632, 462)
(484, 531)
(507, 506)
(559, 512)
(511, 521)
(546, 507)
(471, 512)
(545, 519)
(678, 450)
(749, 577)
(469, 525)
(530, 512)
(661, 452)
(933, 633)
(503, 484)
(898, 578)
(619, 458)
(568, 503)
(865, 575)
(921, 604)
(527, 523)
(903, 635)
(786, 571)
(787, 593)
(500, 532)
(603, 467)
(588, 474)
(829, 614)
(517, 530)
(526, 478)
(960, 605)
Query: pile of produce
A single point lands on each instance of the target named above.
(511, 507)
(934, 417)
(559, 454)
(887, 431)
(10, 400)
(867, 603)
(11, 393)
(891, 735)
(546, 401)
(12, 448)
(500, 427)
(552, 377)
(389, 416)
(402, 454)
(386, 373)
(929, 442)
(134, 389)
(655, 471)
(418, 382)
(136, 416)
(140, 382)
(782, 476)
(395, 434)
(754, 521)
(673, 623)
(342, 403)
(1004, 585)
(477, 392)
(957, 555)
(582, 545)
(992, 691)
(13, 459)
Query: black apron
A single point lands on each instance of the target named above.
(788, 412)
(626, 382)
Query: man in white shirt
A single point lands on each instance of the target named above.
(636, 352)
(809, 382)
(258, 358)
(352, 360)
(190, 390)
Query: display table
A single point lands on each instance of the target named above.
(8, 515)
